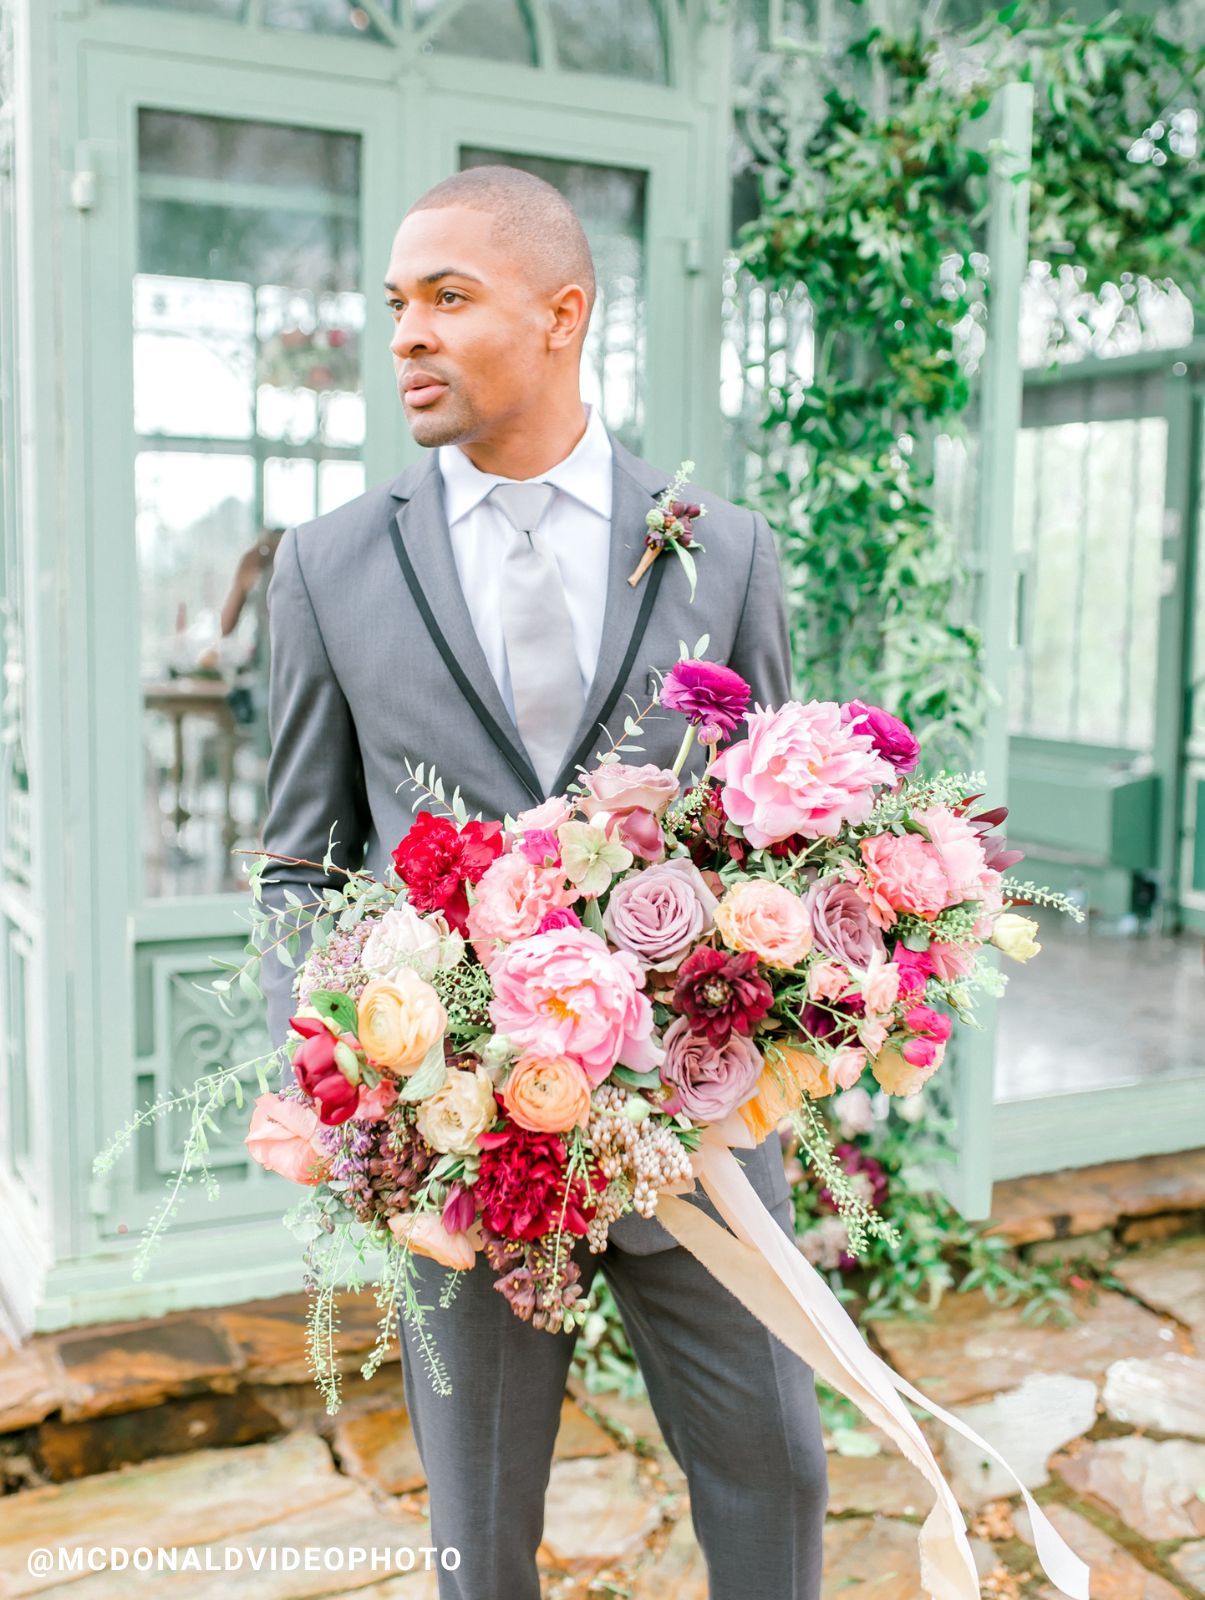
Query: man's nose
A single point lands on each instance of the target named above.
(411, 331)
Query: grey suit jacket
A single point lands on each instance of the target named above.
(374, 658)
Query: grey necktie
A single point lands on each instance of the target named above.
(544, 674)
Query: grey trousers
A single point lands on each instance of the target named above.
(737, 1408)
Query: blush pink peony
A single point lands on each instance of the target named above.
(513, 896)
(564, 993)
(801, 769)
(907, 872)
(958, 845)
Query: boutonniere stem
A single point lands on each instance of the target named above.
(671, 524)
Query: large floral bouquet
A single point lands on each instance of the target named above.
(518, 1038)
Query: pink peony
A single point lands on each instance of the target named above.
(512, 898)
(908, 872)
(799, 770)
(564, 993)
(958, 844)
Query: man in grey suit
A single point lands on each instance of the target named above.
(396, 633)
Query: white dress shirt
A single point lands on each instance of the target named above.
(578, 528)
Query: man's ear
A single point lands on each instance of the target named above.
(569, 314)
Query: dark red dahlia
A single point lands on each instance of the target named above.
(721, 993)
(521, 1185)
(833, 1022)
(436, 859)
(709, 836)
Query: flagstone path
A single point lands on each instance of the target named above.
(202, 1431)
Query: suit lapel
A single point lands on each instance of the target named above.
(423, 545)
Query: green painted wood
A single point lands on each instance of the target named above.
(1049, 1132)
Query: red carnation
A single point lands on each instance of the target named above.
(521, 1185)
(319, 1074)
(436, 859)
(721, 993)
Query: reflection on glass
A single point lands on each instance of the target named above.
(623, 38)
(499, 30)
(611, 204)
(323, 16)
(249, 413)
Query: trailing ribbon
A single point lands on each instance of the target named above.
(770, 1276)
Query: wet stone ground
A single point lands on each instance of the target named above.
(203, 1430)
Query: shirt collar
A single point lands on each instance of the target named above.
(585, 473)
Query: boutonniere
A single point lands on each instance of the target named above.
(671, 523)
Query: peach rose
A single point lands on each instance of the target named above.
(424, 1233)
(907, 872)
(398, 1019)
(895, 1075)
(767, 919)
(512, 898)
(789, 1073)
(547, 1094)
(461, 1108)
(829, 980)
(283, 1138)
(880, 983)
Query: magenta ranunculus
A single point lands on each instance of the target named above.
(893, 739)
(660, 912)
(708, 1081)
(800, 770)
(841, 926)
(564, 993)
(706, 692)
(561, 917)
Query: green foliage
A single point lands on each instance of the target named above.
(879, 218)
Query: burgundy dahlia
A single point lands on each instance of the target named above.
(854, 1161)
(521, 1186)
(834, 1022)
(721, 993)
(706, 692)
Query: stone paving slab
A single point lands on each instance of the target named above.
(1026, 1425)
(1189, 1562)
(1114, 1573)
(874, 1558)
(1171, 1278)
(596, 1511)
(1153, 1485)
(125, 1368)
(1083, 1199)
(1166, 1392)
(32, 1381)
(268, 1336)
(973, 1349)
(67, 1450)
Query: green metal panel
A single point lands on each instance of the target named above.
(968, 1090)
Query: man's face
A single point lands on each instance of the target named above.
(466, 314)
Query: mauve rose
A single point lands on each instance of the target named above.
(638, 831)
(659, 912)
(617, 788)
(840, 925)
(893, 739)
(708, 1082)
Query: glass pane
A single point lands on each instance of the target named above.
(499, 30)
(249, 411)
(623, 38)
(208, 8)
(611, 204)
(322, 16)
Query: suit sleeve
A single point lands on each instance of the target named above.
(315, 775)
(761, 651)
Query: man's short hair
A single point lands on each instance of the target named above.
(529, 215)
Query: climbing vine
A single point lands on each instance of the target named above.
(877, 213)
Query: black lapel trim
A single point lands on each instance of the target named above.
(652, 583)
(521, 769)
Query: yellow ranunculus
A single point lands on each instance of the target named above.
(398, 1019)
(1015, 935)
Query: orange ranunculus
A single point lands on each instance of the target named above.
(398, 1019)
(801, 1072)
(283, 1138)
(547, 1094)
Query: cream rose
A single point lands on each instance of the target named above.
(547, 1094)
(766, 919)
(402, 938)
(461, 1108)
(398, 1019)
(1016, 936)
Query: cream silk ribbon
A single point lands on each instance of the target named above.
(770, 1276)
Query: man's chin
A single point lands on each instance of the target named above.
(430, 431)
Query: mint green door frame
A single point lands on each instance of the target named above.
(113, 61)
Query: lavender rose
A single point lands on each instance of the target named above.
(659, 912)
(840, 926)
(708, 1081)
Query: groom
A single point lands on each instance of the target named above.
(474, 614)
